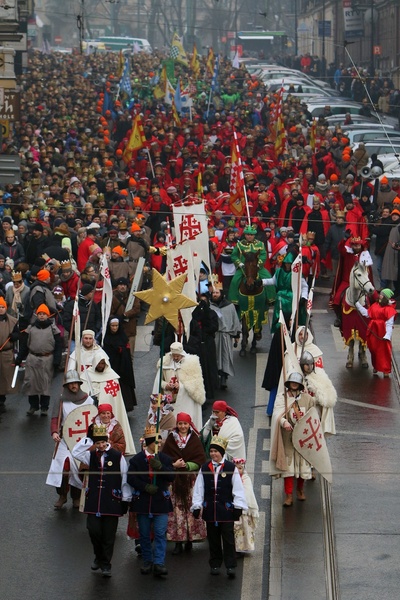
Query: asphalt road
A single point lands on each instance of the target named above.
(47, 553)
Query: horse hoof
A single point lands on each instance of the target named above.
(242, 353)
(253, 350)
(349, 365)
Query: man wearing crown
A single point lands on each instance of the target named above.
(249, 244)
(107, 493)
(218, 492)
(150, 474)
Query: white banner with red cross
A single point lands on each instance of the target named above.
(191, 228)
(179, 261)
(309, 441)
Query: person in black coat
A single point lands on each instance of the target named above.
(150, 475)
(94, 320)
(203, 326)
(116, 345)
(35, 244)
(107, 494)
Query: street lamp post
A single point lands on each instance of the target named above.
(323, 61)
(296, 24)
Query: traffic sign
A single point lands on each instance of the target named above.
(377, 50)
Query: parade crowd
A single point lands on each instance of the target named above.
(80, 198)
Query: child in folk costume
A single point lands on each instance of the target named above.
(245, 528)
(285, 461)
(107, 494)
(219, 493)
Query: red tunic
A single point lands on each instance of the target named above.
(381, 350)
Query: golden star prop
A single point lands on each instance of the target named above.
(165, 298)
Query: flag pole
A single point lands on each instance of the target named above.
(244, 185)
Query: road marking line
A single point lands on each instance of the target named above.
(366, 405)
(253, 567)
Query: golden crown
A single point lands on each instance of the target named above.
(216, 440)
(99, 431)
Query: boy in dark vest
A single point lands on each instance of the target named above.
(219, 491)
(107, 494)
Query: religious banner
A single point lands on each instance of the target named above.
(191, 227)
(309, 441)
(179, 261)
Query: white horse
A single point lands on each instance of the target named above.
(354, 326)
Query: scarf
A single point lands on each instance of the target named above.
(17, 298)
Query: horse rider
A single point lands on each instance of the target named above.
(282, 280)
(245, 246)
(350, 254)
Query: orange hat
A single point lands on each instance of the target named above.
(384, 180)
(123, 192)
(334, 139)
(43, 275)
(118, 249)
(3, 302)
(141, 217)
(344, 140)
(135, 227)
(132, 181)
(334, 177)
(137, 202)
(396, 200)
(43, 308)
(395, 211)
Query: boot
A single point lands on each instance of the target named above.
(60, 502)
(224, 378)
(178, 549)
(301, 495)
(288, 500)
(76, 502)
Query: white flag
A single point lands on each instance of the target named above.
(179, 261)
(191, 227)
(235, 61)
(296, 286)
(289, 346)
(76, 316)
(106, 296)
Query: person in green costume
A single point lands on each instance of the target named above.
(243, 247)
(282, 280)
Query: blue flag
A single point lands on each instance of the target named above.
(177, 97)
(214, 81)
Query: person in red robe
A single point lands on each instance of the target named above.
(381, 317)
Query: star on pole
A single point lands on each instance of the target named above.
(165, 298)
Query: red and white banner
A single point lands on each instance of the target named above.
(191, 228)
(106, 296)
(179, 261)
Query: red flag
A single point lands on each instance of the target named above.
(236, 190)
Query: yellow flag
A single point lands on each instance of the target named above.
(136, 141)
(210, 62)
(199, 185)
(177, 51)
(195, 63)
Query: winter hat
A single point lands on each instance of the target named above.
(86, 289)
(43, 274)
(44, 309)
(387, 293)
